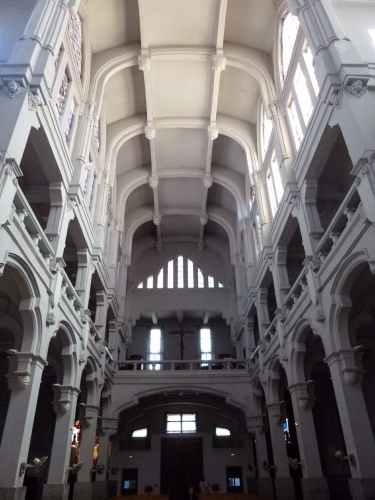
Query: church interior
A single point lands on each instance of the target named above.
(187, 249)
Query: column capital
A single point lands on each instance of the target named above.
(89, 414)
(350, 362)
(63, 397)
(304, 393)
(21, 367)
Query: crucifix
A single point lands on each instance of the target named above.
(181, 332)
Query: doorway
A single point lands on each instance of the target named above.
(129, 485)
(181, 466)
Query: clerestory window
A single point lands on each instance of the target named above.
(180, 273)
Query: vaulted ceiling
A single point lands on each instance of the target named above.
(180, 103)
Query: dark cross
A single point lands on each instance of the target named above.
(181, 332)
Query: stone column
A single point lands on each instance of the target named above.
(25, 373)
(265, 487)
(65, 402)
(9, 173)
(280, 275)
(306, 211)
(84, 487)
(277, 113)
(84, 273)
(101, 313)
(365, 181)
(108, 428)
(61, 213)
(262, 309)
(313, 482)
(359, 439)
(283, 481)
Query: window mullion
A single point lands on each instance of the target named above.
(308, 80)
(298, 109)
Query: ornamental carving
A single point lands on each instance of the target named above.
(356, 86)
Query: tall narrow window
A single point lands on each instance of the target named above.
(211, 282)
(289, 33)
(150, 282)
(309, 62)
(170, 274)
(275, 168)
(180, 272)
(295, 123)
(190, 273)
(200, 279)
(155, 348)
(267, 125)
(302, 91)
(206, 345)
(160, 281)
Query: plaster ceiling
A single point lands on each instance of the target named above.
(184, 89)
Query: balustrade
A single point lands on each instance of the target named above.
(24, 215)
(182, 365)
(340, 221)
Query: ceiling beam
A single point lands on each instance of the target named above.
(144, 63)
(218, 65)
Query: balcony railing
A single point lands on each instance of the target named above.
(344, 214)
(188, 365)
(27, 219)
(296, 290)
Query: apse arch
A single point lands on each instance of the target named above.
(143, 215)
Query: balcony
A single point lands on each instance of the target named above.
(156, 369)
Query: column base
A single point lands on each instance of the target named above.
(55, 491)
(83, 491)
(285, 488)
(12, 493)
(362, 489)
(100, 490)
(315, 489)
(265, 488)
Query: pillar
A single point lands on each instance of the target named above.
(25, 373)
(283, 481)
(265, 486)
(313, 482)
(101, 313)
(280, 275)
(61, 213)
(359, 439)
(65, 402)
(262, 309)
(84, 272)
(108, 428)
(84, 487)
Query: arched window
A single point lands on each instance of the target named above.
(181, 273)
(289, 31)
(222, 432)
(298, 77)
(265, 132)
(140, 433)
(274, 184)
